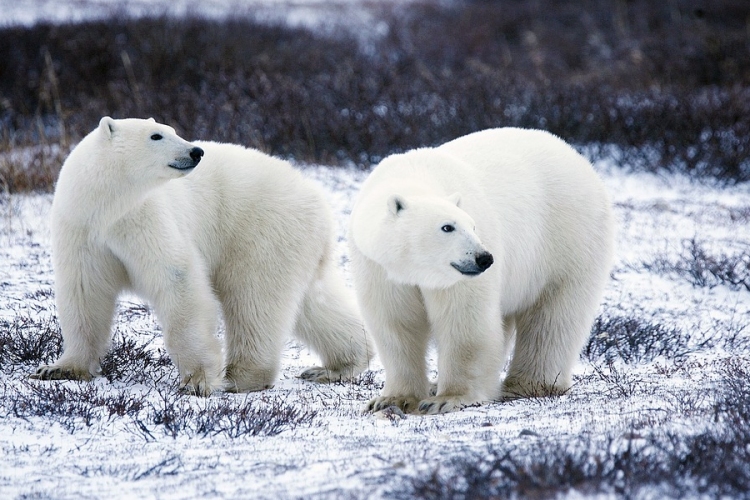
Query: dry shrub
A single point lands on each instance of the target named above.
(668, 83)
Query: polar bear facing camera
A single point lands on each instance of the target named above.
(497, 241)
(243, 231)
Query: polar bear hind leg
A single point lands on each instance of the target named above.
(329, 323)
(549, 339)
(255, 335)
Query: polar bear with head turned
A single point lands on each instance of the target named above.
(194, 228)
(496, 243)
(410, 257)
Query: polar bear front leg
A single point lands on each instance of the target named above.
(396, 318)
(87, 282)
(169, 273)
(188, 312)
(255, 341)
(402, 352)
(166, 266)
(467, 325)
(189, 336)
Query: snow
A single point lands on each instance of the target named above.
(325, 15)
(339, 452)
(342, 452)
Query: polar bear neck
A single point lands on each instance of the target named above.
(97, 192)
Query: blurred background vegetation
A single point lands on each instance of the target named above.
(654, 85)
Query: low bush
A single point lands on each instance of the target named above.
(76, 405)
(174, 415)
(26, 341)
(131, 361)
(633, 340)
(72, 405)
(667, 84)
(712, 462)
(704, 269)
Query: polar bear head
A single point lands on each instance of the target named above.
(143, 151)
(427, 241)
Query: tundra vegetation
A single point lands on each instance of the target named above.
(657, 94)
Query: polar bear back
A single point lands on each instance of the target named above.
(548, 197)
(241, 198)
(509, 158)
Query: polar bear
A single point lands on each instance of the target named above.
(243, 231)
(502, 237)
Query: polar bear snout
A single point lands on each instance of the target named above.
(482, 261)
(185, 163)
(196, 154)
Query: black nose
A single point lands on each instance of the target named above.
(196, 154)
(484, 260)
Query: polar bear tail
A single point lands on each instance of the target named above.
(330, 324)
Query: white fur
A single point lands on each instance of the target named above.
(539, 208)
(243, 231)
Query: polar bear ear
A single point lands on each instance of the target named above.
(107, 126)
(455, 198)
(151, 120)
(396, 204)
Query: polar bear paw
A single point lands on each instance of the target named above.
(247, 380)
(55, 372)
(442, 404)
(324, 375)
(407, 404)
(199, 383)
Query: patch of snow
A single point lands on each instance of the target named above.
(343, 453)
(322, 15)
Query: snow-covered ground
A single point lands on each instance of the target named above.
(355, 16)
(337, 452)
(161, 446)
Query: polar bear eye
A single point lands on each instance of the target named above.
(448, 228)
(156, 137)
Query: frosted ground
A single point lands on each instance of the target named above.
(324, 446)
(355, 15)
(651, 414)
